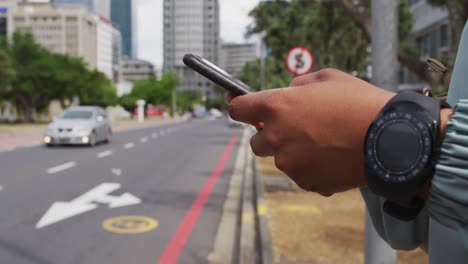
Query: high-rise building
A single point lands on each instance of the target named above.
(233, 56)
(104, 36)
(71, 31)
(122, 15)
(116, 55)
(190, 26)
(99, 7)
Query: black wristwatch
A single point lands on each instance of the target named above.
(401, 150)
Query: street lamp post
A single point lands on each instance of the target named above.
(384, 52)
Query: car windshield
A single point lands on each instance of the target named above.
(77, 114)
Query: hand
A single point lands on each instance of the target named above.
(315, 129)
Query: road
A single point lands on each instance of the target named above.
(61, 205)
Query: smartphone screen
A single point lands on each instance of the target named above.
(216, 74)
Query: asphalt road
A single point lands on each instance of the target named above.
(54, 201)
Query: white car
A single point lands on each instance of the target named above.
(79, 125)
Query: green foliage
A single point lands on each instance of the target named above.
(31, 77)
(276, 74)
(186, 99)
(151, 90)
(324, 27)
(321, 26)
(217, 102)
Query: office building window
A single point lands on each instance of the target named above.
(444, 36)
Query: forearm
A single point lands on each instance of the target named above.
(448, 196)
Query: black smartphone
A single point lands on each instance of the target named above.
(216, 74)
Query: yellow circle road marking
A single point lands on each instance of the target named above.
(131, 224)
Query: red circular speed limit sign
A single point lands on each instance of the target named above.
(299, 60)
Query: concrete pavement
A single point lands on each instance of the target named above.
(61, 205)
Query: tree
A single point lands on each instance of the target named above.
(31, 77)
(338, 32)
(276, 74)
(151, 90)
(359, 11)
(33, 68)
(97, 89)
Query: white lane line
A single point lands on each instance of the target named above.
(161, 133)
(129, 145)
(116, 172)
(154, 135)
(62, 167)
(1, 188)
(104, 154)
(144, 139)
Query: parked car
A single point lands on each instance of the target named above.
(216, 113)
(150, 112)
(79, 125)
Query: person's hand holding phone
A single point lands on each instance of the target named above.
(315, 129)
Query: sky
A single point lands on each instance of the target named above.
(233, 15)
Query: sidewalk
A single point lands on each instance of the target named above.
(308, 228)
(17, 136)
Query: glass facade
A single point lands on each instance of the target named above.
(121, 16)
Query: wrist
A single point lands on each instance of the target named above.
(445, 115)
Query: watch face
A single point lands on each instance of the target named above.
(398, 146)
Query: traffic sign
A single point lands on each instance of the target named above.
(299, 60)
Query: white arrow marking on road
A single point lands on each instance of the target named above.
(116, 172)
(144, 139)
(62, 167)
(104, 154)
(129, 145)
(60, 211)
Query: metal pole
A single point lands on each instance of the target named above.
(174, 102)
(262, 64)
(385, 75)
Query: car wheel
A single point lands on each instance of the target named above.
(92, 139)
(109, 136)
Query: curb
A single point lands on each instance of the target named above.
(226, 246)
(265, 243)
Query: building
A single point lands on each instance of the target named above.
(116, 55)
(105, 34)
(6, 6)
(99, 7)
(190, 26)
(71, 31)
(122, 15)
(134, 70)
(233, 57)
(430, 34)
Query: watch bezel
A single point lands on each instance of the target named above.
(413, 115)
